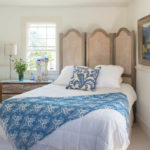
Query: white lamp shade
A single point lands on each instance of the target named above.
(10, 49)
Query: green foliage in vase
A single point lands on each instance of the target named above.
(20, 66)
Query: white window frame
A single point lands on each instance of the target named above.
(36, 20)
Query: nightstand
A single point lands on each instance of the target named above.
(10, 88)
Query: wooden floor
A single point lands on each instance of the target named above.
(139, 140)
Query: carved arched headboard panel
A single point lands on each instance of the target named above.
(124, 54)
(98, 48)
(72, 48)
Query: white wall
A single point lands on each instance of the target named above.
(81, 18)
(137, 10)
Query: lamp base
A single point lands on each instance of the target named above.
(10, 60)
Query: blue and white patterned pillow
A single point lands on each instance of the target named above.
(83, 78)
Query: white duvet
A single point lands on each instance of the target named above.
(99, 130)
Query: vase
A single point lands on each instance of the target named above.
(21, 76)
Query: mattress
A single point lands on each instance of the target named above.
(76, 135)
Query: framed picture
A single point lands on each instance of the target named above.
(144, 40)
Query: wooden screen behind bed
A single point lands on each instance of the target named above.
(72, 48)
(99, 47)
(124, 54)
(118, 49)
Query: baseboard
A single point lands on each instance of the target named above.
(143, 125)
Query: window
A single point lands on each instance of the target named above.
(41, 42)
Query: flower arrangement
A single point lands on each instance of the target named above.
(20, 66)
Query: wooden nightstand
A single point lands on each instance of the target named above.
(10, 88)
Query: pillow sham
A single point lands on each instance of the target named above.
(110, 76)
(64, 76)
(83, 78)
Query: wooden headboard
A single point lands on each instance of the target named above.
(117, 49)
(72, 48)
(101, 48)
(124, 54)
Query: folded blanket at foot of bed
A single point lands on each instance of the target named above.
(29, 120)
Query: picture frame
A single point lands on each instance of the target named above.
(144, 40)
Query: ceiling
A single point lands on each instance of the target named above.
(65, 3)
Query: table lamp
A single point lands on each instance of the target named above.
(10, 50)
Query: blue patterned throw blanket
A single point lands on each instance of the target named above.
(29, 120)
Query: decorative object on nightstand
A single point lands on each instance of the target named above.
(10, 50)
(45, 75)
(10, 88)
(20, 66)
(39, 74)
(42, 71)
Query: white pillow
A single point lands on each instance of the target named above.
(65, 76)
(109, 76)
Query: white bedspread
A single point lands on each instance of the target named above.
(99, 130)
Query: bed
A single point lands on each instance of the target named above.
(73, 132)
(101, 129)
